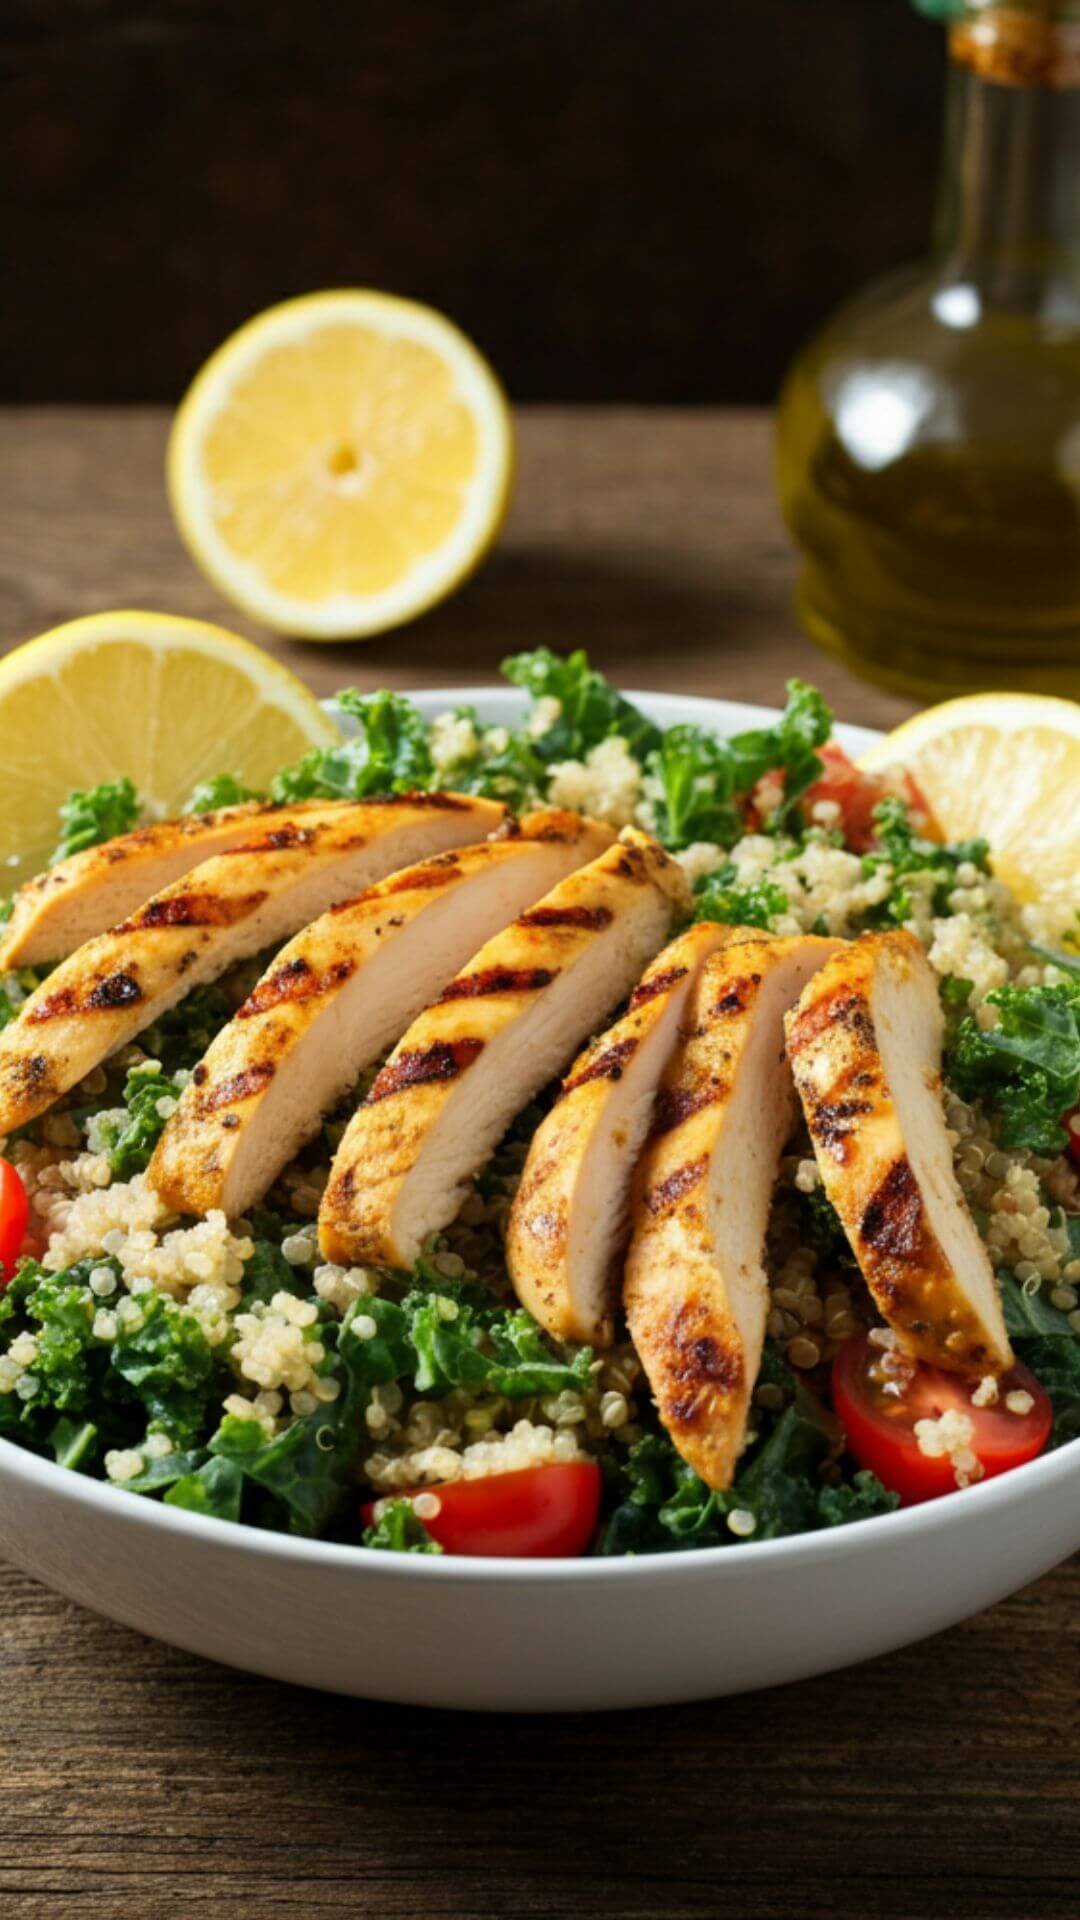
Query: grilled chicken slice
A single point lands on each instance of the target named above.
(865, 1048)
(695, 1289)
(570, 1219)
(250, 897)
(496, 1035)
(337, 997)
(58, 909)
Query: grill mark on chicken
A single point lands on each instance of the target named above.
(606, 1065)
(892, 1221)
(278, 838)
(676, 1104)
(493, 980)
(656, 984)
(240, 1086)
(668, 1191)
(833, 1120)
(193, 909)
(589, 919)
(701, 1366)
(444, 1060)
(115, 990)
(294, 982)
(737, 994)
(436, 873)
(840, 1010)
(438, 801)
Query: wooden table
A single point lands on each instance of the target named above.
(142, 1782)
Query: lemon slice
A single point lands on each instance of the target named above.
(166, 701)
(341, 463)
(1005, 766)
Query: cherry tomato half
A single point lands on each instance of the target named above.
(857, 794)
(14, 1214)
(880, 1427)
(534, 1513)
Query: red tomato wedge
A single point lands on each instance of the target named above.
(880, 1427)
(14, 1214)
(857, 794)
(536, 1513)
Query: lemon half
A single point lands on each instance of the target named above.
(1006, 767)
(165, 700)
(341, 463)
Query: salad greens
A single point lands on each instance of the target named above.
(87, 818)
(149, 1097)
(1025, 1070)
(222, 790)
(702, 776)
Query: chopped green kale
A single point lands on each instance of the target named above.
(665, 1507)
(222, 790)
(590, 710)
(1026, 1070)
(388, 753)
(717, 897)
(180, 1037)
(704, 778)
(1043, 1339)
(96, 814)
(130, 1143)
(908, 854)
(398, 1530)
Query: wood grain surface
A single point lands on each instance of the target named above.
(938, 1784)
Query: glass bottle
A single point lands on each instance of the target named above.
(929, 437)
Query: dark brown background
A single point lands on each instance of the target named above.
(640, 200)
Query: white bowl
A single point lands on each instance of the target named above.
(540, 1635)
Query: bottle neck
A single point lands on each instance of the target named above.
(1008, 217)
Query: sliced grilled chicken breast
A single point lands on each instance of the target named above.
(249, 897)
(865, 1047)
(58, 909)
(498, 1033)
(570, 1219)
(337, 997)
(695, 1290)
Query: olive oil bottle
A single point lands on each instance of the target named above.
(929, 437)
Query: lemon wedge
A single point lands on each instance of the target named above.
(166, 701)
(1006, 767)
(341, 463)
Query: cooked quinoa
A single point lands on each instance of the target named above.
(225, 1366)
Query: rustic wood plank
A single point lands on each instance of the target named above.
(141, 1781)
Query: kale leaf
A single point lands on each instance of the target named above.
(215, 1488)
(1043, 1339)
(221, 790)
(388, 753)
(908, 854)
(590, 709)
(94, 814)
(170, 1366)
(719, 898)
(1026, 1069)
(398, 1530)
(129, 1143)
(702, 777)
(180, 1037)
(665, 1506)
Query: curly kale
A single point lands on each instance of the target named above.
(222, 790)
(1026, 1070)
(398, 1530)
(704, 778)
(179, 1038)
(908, 854)
(589, 709)
(717, 897)
(388, 753)
(129, 1143)
(664, 1506)
(1043, 1339)
(90, 816)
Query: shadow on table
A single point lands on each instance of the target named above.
(616, 603)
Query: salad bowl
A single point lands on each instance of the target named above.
(547, 1635)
